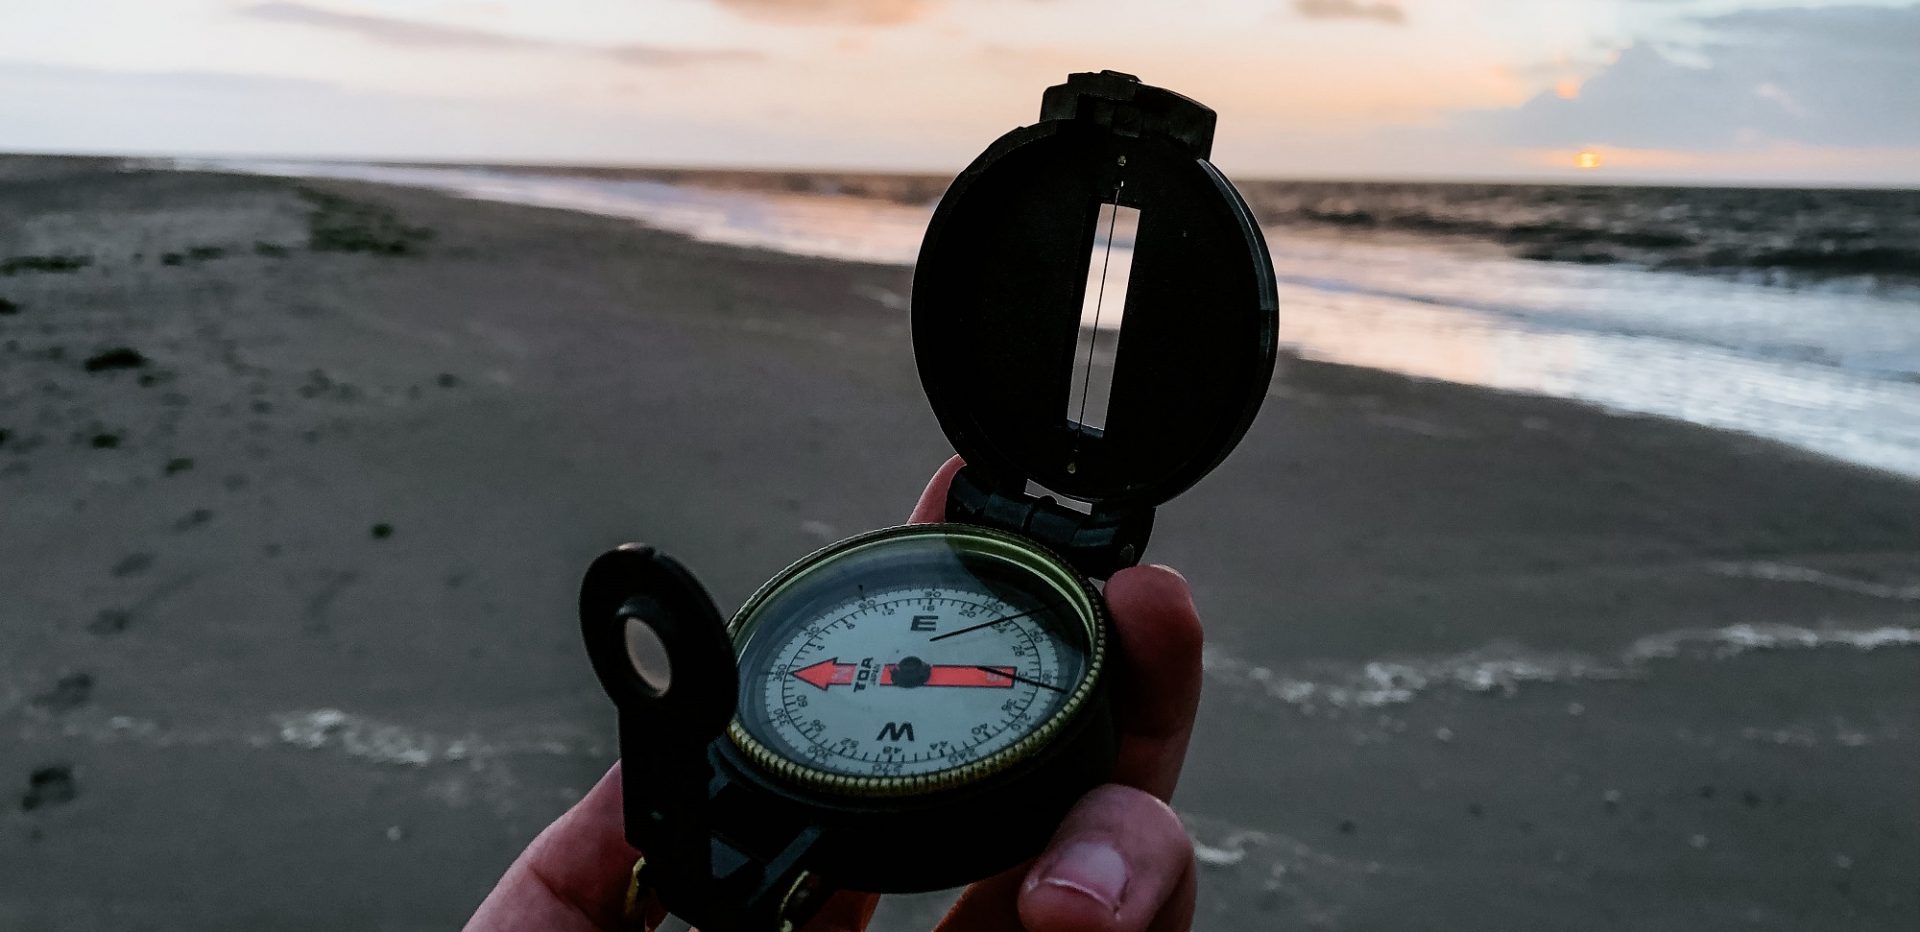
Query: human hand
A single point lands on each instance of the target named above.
(1120, 861)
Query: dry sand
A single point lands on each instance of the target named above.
(286, 637)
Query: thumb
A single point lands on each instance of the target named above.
(573, 877)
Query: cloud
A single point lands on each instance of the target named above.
(60, 108)
(1349, 9)
(664, 56)
(865, 12)
(410, 33)
(1826, 76)
(387, 29)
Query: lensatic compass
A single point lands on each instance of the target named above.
(917, 707)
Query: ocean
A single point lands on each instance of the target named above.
(1792, 315)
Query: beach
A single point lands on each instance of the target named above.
(299, 477)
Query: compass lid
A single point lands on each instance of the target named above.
(1009, 260)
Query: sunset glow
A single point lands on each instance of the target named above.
(1446, 88)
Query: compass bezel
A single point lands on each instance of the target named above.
(1021, 553)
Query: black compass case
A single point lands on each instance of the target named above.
(997, 298)
(997, 329)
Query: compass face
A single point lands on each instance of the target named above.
(912, 659)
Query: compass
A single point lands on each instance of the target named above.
(914, 659)
(917, 707)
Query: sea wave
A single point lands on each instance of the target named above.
(1778, 235)
(1796, 235)
(1504, 668)
(383, 742)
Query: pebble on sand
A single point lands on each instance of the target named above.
(382, 531)
(193, 519)
(120, 357)
(49, 786)
(178, 464)
(109, 621)
(70, 692)
(8, 307)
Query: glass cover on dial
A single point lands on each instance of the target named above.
(927, 654)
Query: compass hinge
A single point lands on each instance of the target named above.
(1098, 544)
(1120, 103)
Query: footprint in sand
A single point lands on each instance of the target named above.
(110, 621)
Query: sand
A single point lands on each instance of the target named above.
(297, 481)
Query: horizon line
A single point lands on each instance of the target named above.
(1655, 181)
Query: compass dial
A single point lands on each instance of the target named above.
(914, 658)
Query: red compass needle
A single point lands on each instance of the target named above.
(834, 673)
(941, 674)
(827, 673)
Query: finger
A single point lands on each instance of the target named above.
(573, 877)
(933, 501)
(1115, 865)
(991, 904)
(844, 911)
(1158, 691)
(1177, 914)
(1120, 860)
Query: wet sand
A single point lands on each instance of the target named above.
(287, 642)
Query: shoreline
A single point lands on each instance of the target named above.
(1726, 352)
(1287, 356)
(209, 635)
(1327, 208)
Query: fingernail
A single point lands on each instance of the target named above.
(1163, 566)
(1092, 869)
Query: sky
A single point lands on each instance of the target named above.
(1722, 91)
